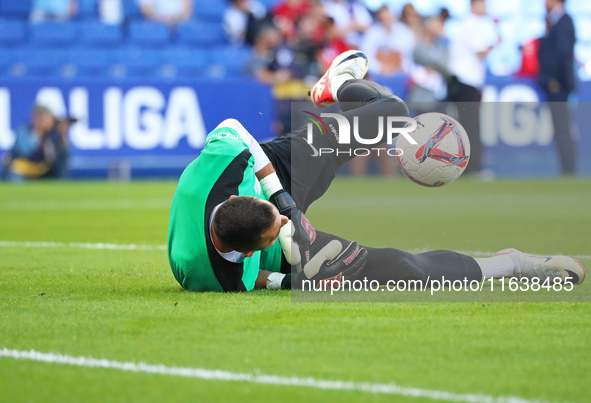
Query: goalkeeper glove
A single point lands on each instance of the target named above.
(298, 235)
(333, 263)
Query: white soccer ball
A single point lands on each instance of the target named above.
(442, 152)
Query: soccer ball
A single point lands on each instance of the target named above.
(442, 152)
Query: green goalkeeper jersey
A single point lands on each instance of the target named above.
(224, 168)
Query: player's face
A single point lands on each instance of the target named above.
(270, 236)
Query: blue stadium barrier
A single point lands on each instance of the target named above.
(16, 8)
(53, 34)
(97, 34)
(148, 34)
(201, 34)
(155, 125)
(42, 62)
(139, 62)
(188, 63)
(212, 12)
(12, 33)
(232, 59)
(131, 10)
(6, 61)
(91, 62)
(87, 9)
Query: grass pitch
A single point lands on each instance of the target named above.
(125, 305)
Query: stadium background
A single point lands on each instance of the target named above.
(146, 95)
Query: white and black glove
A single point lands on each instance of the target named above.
(298, 235)
(332, 263)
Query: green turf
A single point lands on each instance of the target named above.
(126, 306)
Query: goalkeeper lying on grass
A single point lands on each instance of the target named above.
(237, 221)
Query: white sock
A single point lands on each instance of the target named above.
(496, 266)
(337, 82)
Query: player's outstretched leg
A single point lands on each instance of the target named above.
(387, 264)
(392, 264)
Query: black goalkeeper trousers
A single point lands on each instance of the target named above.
(307, 175)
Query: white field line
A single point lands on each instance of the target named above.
(114, 246)
(119, 204)
(219, 375)
(80, 245)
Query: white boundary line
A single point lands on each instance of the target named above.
(219, 375)
(118, 204)
(80, 245)
(113, 246)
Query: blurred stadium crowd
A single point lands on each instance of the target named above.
(289, 38)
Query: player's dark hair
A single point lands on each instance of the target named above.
(240, 222)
